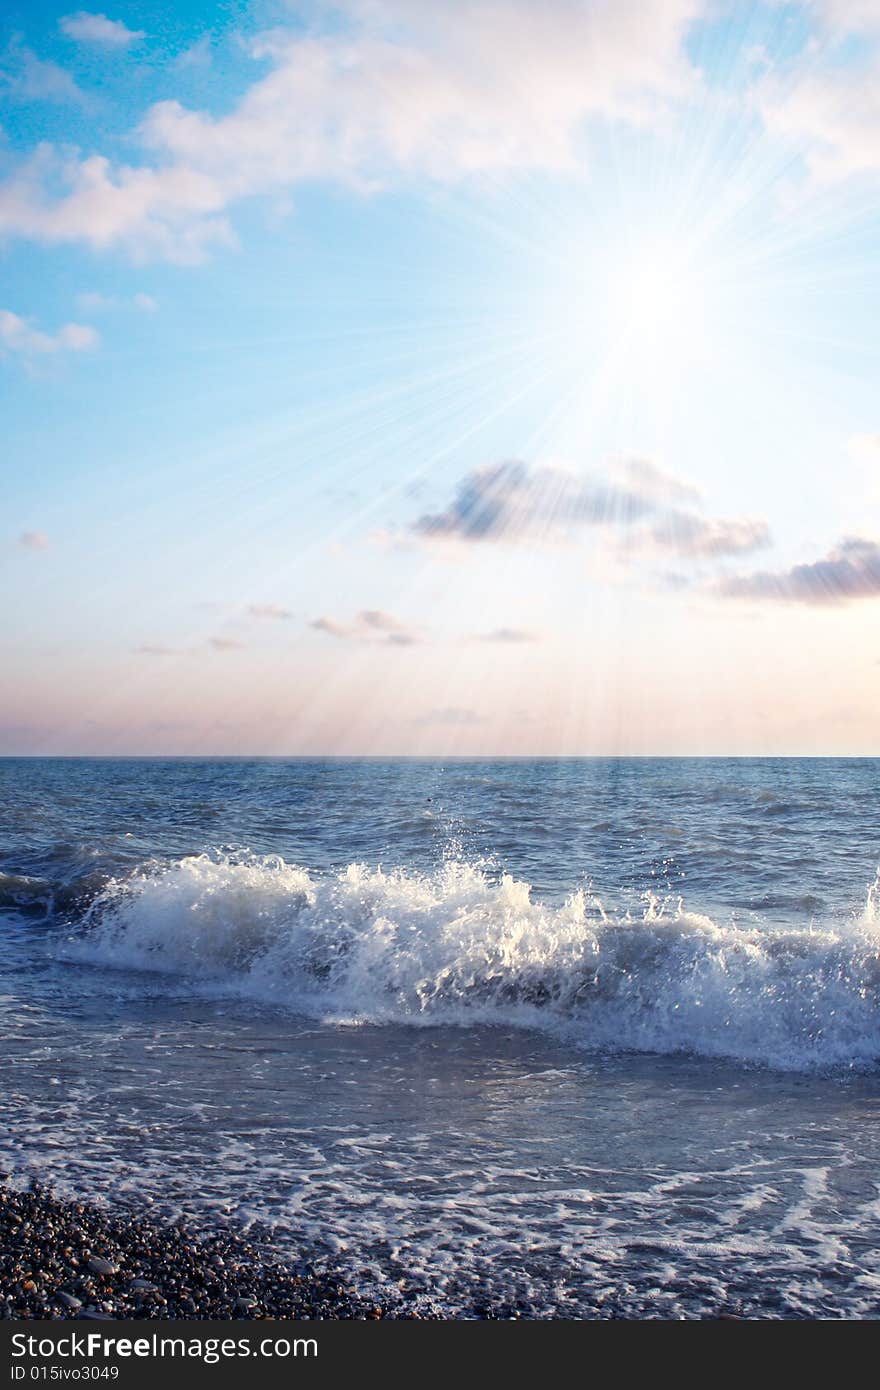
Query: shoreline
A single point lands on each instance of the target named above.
(69, 1259)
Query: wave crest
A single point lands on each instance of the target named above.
(456, 947)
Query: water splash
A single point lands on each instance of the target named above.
(871, 915)
(456, 947)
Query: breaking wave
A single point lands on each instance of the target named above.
(457, 947)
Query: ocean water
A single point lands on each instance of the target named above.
(581, 1038)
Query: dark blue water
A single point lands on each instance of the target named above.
(744, 834)
(598, 1034)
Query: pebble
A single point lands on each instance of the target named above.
(172, 1270)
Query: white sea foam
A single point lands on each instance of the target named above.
(457, 947)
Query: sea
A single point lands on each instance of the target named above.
(563, 1038)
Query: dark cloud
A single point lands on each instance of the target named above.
(153, 649)
(851, 570)
(510, 501)
(226, 644)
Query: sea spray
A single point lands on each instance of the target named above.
(457, 947)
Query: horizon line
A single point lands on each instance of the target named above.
(438, 757)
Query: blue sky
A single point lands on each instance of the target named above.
(440, 377)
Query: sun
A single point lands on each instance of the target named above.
(658, 300)
(642, 327)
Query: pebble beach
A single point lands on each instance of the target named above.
(71, 1259)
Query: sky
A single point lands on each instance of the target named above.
(440, 377)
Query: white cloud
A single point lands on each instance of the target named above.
(95, 302)
(391, 89)
(98, 29)
(25, 77)
(830, 111)
(438, 89)
(19, 335)
(198, 55)
(173, 212)
(848, 16)
(833, 117)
